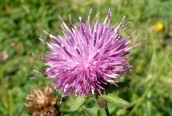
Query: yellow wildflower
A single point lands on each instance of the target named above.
(159, 27)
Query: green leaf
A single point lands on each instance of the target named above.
(89, 111)
(77, 103)
(116, 100)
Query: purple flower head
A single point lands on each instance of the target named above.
(87, 57)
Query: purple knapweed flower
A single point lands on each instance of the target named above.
(87, 57)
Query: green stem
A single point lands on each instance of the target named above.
(102, 105)
(10, 103)
(107, 111)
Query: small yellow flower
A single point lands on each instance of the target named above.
(159, 27)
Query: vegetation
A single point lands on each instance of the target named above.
(23, 21)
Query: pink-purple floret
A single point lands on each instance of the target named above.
(87, 57)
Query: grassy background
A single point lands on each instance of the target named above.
(23, 21)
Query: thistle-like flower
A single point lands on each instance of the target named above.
(87, 57)
(41, 102)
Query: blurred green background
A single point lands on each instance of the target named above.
(23, 21)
